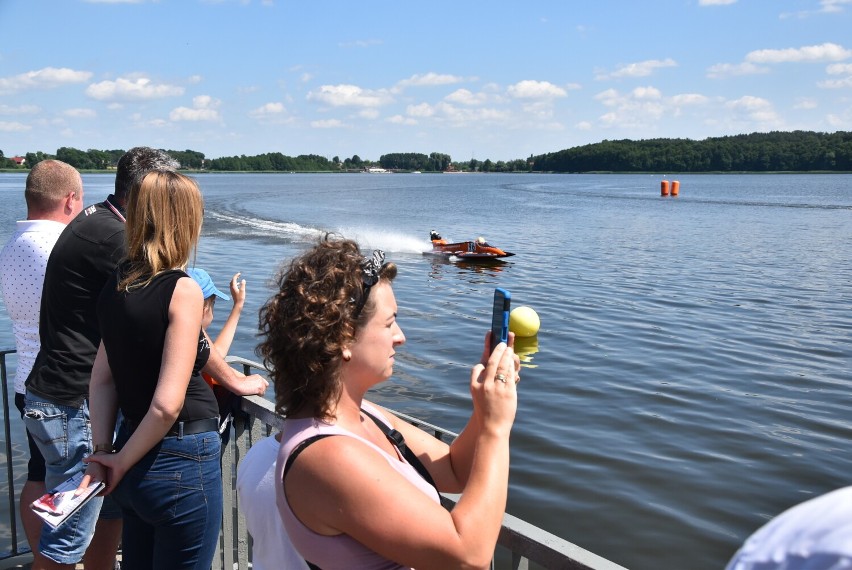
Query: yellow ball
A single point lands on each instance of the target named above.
(524, 322)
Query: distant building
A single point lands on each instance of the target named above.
(19, 160)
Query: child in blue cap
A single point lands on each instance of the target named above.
(223, 341)
(210, 292)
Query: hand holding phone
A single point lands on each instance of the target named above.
(500, 317)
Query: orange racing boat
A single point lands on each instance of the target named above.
(472, 250)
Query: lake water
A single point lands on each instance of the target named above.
(691, 378)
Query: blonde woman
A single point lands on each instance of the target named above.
(165, 471)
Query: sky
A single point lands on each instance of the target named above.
(492, 80)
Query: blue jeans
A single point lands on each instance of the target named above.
(172, 504)
(64, 436)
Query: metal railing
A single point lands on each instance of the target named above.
(520, 545)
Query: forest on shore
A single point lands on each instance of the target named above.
(795, 151)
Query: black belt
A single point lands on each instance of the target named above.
(192, 427)
(181, 429)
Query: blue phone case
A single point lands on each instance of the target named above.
(500, 317)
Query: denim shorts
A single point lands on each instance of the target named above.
(63, 434)
(172, 503)
(35, 465)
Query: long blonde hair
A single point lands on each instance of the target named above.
(164, 215)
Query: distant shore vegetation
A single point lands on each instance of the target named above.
(795, 151)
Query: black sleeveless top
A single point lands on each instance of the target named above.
(133, 328)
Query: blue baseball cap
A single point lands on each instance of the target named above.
(206, 283)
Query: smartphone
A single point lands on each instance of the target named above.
(500, 317)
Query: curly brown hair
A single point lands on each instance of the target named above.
(306, 324)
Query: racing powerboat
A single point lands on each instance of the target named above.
(472, 250)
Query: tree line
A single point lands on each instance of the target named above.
(796, 151)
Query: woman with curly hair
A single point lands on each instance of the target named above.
(351, 493)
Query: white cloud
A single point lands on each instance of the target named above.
(540, 110)
(646, 93)
(327, 124)
(138, 89)
(756, 109)
(195, 79)
(749, 103)
(806, 103)
(823, 52)
(638, 69)
(267, 111)
(203, 109)
(80, 113)
(13, 127)
(842, 122)
(839, 69)
(400, 120)
(826, 7)
(46, 78)
(19, 110)
(430, 79)
(530, 89)
(734, 69)
(466, 97)
(369, 113)
(833, 6)
(643, 106)
(187, 114)
(836, 83)
(716, 2)
(464, 116)
(688, 99)
(421, 110)
(350, 96)
(205, 102)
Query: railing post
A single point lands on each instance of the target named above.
(10, 472)
(241, 446)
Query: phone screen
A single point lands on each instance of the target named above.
(500, 317)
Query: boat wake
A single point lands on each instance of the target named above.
(387, 240)
(244, 225)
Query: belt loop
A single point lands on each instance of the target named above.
(180, 430)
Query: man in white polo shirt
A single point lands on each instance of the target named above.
(54, 196)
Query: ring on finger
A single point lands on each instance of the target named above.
(500, 377)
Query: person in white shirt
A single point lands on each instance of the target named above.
(256, 499)
(54, 196)
(813, 535)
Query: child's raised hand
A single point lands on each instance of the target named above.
(238, 291)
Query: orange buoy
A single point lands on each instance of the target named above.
(675, 187)
(664, 188)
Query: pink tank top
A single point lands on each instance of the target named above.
(340, 551)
